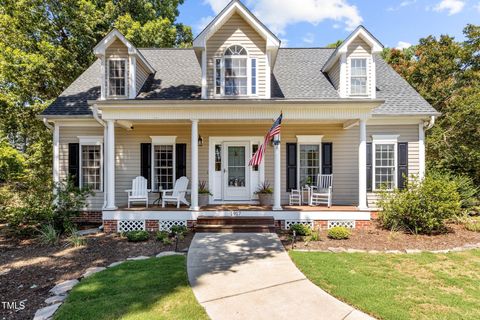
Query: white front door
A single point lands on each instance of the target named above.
(236, 172)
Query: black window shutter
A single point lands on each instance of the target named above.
(402, 164)
(369, 166)
(74, 163)
(327, 158)
(181, 160)
(146, 162)
(291, 166)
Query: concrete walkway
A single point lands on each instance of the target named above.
(250, 276)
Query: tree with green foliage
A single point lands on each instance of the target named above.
(44, 46)
(446, 73)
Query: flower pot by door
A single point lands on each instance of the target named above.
(203, 199)
(265, 199)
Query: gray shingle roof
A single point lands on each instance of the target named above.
(297, 75)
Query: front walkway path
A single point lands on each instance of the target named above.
(250, 276)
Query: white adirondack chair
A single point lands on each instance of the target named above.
(139, 191)
(322, 192)
(177, 194)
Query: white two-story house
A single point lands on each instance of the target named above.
(202, 112)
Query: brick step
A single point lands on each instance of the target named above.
(235, 228)
(231, 221)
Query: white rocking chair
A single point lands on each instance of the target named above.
(139, 191)
(177, 194)
(322, 192)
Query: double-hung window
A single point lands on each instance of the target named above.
(235, 74)
(91, 162)
(385, 164)
(117, 77)
(358, 81)
(309, 159)
(163, 155)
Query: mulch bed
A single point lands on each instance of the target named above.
(28, 270)
(376, 238)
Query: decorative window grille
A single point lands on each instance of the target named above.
(163, 166)
(92, 166)
(341, 223)
(117, 78)
(166, 225)
(130, 225)
(358, 77)
(289, 223)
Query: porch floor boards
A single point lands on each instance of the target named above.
(242, 207)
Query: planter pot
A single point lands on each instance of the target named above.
(203, 199)
(265, 199)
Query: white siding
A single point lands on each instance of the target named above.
(237, 31)
(345, 151)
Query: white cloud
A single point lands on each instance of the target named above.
(402, 4)
(403, 45)
(278, 14)
(452, 6)
(204, 21)
(477, 7)
(309, 38)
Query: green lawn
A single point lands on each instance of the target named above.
(407, 286)
(156, 288)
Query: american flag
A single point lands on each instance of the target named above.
(274, 130)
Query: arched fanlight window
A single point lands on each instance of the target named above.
(235, 71)
(236, 50)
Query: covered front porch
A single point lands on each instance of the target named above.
(215, 142)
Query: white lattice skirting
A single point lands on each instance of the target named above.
(130, 225)
(289, 223)
(166, 225)
(341, 223)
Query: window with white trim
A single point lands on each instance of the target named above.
(91, 162)
(117, 77)
(235, 74)
(309, 164)
(358, 76)
(385, 164)
(254, 76)
(163, 166)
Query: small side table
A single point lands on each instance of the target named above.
(158, 201)
(306, 189)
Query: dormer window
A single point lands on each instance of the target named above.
(235, 73)
(117, 77)
(358, 82)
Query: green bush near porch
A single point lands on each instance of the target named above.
(155, 288)
(399, 286)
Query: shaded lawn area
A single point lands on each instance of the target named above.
(156, 288)
(404, 286)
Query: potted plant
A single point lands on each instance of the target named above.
(264, 192)
(203, 193)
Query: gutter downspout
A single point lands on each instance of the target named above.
(430, 123)
(96, 116)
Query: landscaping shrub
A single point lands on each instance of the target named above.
(338, 233)
(180, 230)
(167, 241)
(74, 239)
(49, 235)
(422, 207)
(472, 225)
(161, 235)
(137, 236)
(301, 229)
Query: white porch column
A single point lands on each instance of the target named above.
(194, 180)
(110, 166)
(362, 166)
(421, 151)
(277, 186)
(56, 156)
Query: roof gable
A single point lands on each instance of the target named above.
(361, 32)
(233, 7)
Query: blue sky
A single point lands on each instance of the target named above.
(316, 23)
